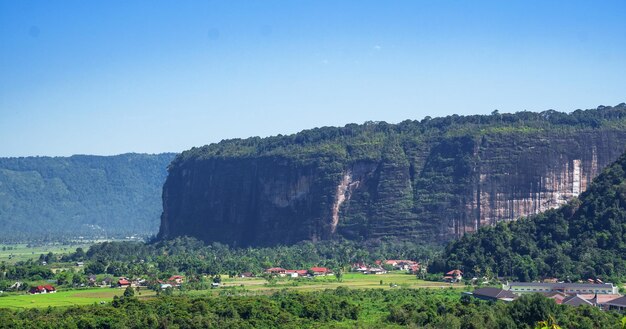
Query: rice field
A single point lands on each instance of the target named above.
(65, 298)
(21, 252)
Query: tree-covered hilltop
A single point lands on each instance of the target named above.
(429, 181)
(58, 197)
(366, 141)
(584, 239)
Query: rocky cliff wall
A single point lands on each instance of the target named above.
(409, 181)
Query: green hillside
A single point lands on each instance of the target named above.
(81, 195)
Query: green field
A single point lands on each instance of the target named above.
(65, 298)
(350, 280)
(21, 252)
(234, 285)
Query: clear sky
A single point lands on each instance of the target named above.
(108, 77)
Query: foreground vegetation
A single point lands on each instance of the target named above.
(338, 308)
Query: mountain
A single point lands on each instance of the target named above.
(428, 181)
(584, 239)
(49, 197)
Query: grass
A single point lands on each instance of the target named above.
(350, 280)
(65, 298)
(21, 252)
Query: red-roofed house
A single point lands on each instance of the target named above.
(557, 296)
(176, 279)
(296, 273)
(453, 276)
(276, 271)
(47, 289)
(318, 271)
(400, 264)
(123, 283)
(414, 269)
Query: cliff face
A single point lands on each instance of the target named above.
(429, 181)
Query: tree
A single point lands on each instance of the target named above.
(217, 279)
(77, 279)
(339, 275)
(129, 292)
(80, 254)
(548, 324)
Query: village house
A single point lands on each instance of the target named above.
(600, 300)
(365, 269)
(558, 297)
(489, 293)
(453, 276)
(276, 271)
(138, 282)
(107, 282)
(375, 270)
(296, 273)
(618, 304)
(576, 300)
(246, 275)
(321, 271)
(359, 267)
(123, 283)
(176, 280)
(401, 264)
(46, 289)
(416, 269)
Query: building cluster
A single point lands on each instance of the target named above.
(412, 267)
(173, 281)
(313, 271)
(124, 282)
(598, 293)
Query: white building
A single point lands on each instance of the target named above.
(565, 288)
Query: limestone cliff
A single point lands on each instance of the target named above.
(429, 181)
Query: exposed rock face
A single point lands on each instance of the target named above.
(431, 181)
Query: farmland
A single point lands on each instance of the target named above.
(246, 286)
(65, 298)
(350, 280)
(13, 253)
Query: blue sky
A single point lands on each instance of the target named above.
(108, 77)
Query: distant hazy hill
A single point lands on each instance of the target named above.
(426, 181)
(81, 195)
(583, 239)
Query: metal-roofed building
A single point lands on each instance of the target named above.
(489, 293)
(566, 288)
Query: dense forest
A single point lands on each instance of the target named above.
(428, 181)
(339, 308)
(51, 198)
(584, 239)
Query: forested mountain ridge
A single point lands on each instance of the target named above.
(61, 197)
(584, 239)
(431, 180)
